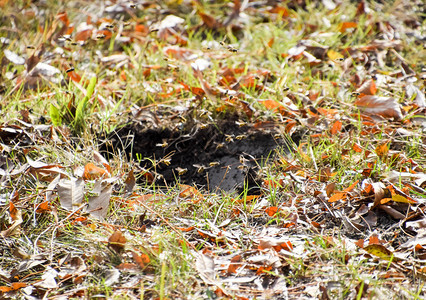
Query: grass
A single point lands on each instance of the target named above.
(174, 230)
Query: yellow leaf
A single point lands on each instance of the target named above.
(402, 199)
(333, 55)
(379, 251)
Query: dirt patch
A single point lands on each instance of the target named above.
(217, 156)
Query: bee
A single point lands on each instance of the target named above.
(74, 43)
(214, 163)
(181, 171)
(241, 137)
(243, 160)
(204, 112)
(166, 161)
(222, 43)
(277, 136)
(164, 144)
(229, 138)
(200, 168)
(240, 123)
(220, 146)
(203, 126)
(356, 94)
(232, 49)
(30, 47)
(70, 70)
(66, 37)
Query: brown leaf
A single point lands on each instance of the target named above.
(117, 241)
(386, 107)
(130, 183)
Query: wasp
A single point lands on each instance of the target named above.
(220, 146)
(200, 168)
(203, 126)
(164, 144)
(166, 161)
(229, 138)
(240, 123)
(181, 171)
(241, 137)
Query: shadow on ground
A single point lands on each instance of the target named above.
(219, 156)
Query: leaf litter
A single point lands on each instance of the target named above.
(248, 160)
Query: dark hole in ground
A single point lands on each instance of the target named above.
(219, 156)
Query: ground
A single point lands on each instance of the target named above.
(212, 150)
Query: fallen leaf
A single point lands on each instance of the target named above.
(117, 241)
(386, 107)
(379, 251)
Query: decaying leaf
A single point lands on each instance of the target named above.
(71, 192)
(386, 107)
(117, 241)
(379, 251)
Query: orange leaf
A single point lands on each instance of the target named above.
(83, 35)
(346, 25)
(374, 240)
(360, 243)
(235, 264)
(187, 229)
(351, 187)
(356, 148)
(93, 172)
(337, 127)
(368, 88)
(337, 196)
(43, 207)
(382, 150)
(272, 211)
